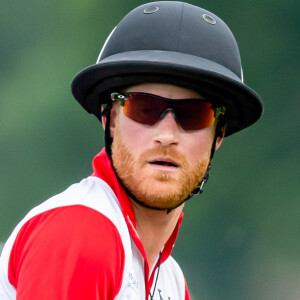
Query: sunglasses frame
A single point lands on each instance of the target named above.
(122, 97)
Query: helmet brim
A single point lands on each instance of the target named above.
(215, 81)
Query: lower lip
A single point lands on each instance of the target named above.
(163, 168)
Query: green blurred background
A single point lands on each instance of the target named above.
(241, 238)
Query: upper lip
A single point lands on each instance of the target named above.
(163, 160)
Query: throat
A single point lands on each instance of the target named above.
(154, 229)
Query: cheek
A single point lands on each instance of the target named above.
(198, 144)
(136, 135)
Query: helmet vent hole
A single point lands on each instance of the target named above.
(151, 9)
(209, 19)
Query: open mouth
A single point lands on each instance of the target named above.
(167, 163)
(163, 163)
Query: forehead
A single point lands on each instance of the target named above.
(164, 90)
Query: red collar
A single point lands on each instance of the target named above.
(103, 169)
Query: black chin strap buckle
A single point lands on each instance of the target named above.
(199, 188)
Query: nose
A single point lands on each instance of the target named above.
(167, 130)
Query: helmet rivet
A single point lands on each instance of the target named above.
(209, 19)
(151, 9)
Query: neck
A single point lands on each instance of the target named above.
(154, 228)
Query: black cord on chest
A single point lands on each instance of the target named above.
(159, 261)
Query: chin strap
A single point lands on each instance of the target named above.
(105, 112)
(199, 188)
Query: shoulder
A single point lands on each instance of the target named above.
(86, 212)
(172, 269)
(75, 235)
(91, 196)
(171, 282)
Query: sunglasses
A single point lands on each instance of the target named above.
(148, 109)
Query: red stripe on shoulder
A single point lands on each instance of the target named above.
(187, 295)
(71, 252)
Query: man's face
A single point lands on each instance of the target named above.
(159, 164)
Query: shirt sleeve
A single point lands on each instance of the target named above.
(71, 252)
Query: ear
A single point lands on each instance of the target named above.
(103, 120)
(218, 142)
(220, 138)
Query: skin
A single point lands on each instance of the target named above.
(136, 148)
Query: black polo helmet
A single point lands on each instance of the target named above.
(176, 43)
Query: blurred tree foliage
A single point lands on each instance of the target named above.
(241, 238)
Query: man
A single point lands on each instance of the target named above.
(167, 86)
